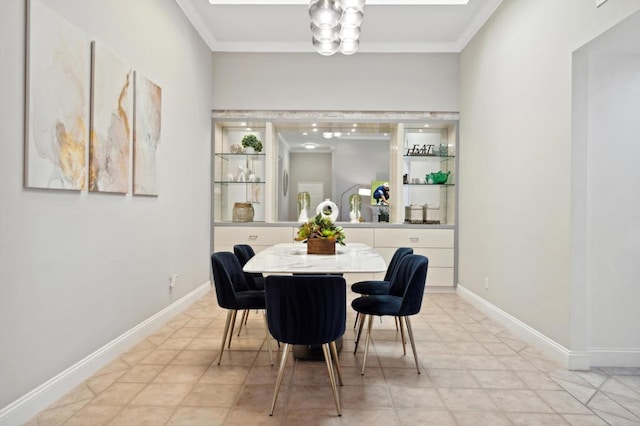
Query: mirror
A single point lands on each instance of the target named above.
(330, 161)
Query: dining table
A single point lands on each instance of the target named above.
(292, 258)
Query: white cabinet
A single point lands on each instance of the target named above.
(258, 237)
(437, 244)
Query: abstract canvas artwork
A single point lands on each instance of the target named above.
(146, 135)
(57, 110)
(111, 118)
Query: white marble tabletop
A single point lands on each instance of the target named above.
(293, 258)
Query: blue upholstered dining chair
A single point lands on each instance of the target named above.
(244, 252)
(307, 310)
(371, 287)
(404, 299)
(233, 293)
(255, 280)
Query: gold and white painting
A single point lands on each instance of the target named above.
(57, 110)
(146, 136)
(111, 119)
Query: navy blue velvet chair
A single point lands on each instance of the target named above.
(404, 299)
(255, 280)
(244, 252)
(307, 310)
(374, 287)
(233, 293)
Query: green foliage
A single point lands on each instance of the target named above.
(252, 141)
(321, 227)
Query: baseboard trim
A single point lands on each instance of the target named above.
(27, 406)
(571, 360)
(615, 357)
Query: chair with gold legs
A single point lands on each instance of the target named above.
(307, 310)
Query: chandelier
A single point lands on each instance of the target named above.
(335, 25)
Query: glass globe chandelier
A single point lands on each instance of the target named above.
(335, 25)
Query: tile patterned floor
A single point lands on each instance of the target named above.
(473, 373)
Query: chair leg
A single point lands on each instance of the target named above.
(355, 323)
(362, 320)
(233, 324)
(243, 321)
(334, 351)
(413, 344)
(267, 337)
(332, 377)
(404, 341)
(366, 345)
(230, 314)
(396, 318)
(283, 362)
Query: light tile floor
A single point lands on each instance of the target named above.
(473, 373)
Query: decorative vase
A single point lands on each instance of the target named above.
(243, 212)
(321, 246)
(355, 205)
(304, 199)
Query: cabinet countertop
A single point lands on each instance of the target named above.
(343, 224)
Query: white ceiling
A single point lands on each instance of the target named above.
(406, 26)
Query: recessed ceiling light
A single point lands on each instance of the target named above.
(426, 125)
(305, 133)
(315, 129)
(327, 135)
(310, 145)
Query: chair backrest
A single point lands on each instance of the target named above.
(306, 309)
(408, 282)
(228, 278)
(395, 261)
(244, 252)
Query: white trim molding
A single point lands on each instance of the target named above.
(615, 357)
(29, 405)
(572, 360)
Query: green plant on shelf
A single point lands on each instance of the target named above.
(251, 141)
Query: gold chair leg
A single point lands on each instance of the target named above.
(283, 362)
(267, 336)
(366, 345)
(404, 341)
(243, 321)
(334, 351)
(362, 320)
(332, 378)
(224, 336)
(396, 318)
(233, 324)
(413, 344)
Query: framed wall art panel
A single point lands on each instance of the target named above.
(146, 135)
(111, 122)
(57, 101)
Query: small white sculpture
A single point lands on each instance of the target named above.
(328, 208)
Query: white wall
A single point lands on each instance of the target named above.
(516, 158)
(362, 82)
(80, 269)
(606, 101)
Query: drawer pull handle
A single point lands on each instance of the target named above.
(253, 237)
(414, 239)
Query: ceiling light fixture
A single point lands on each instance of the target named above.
(310, 145)
(335, 25)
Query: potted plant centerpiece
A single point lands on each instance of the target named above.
(251, 143)
(321, 235)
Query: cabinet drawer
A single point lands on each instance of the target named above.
(354, 235)
(443, 258)
(225, 236)
(433, 238)
(440, 277)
